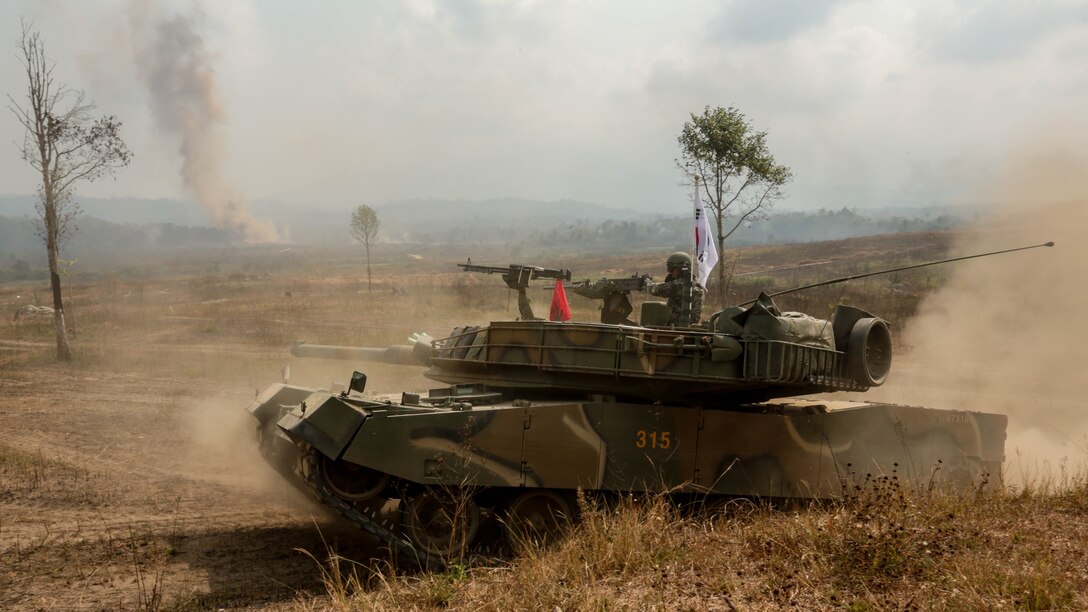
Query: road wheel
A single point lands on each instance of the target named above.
(536, 517)
(440, 524)
(964, 475)
(352, 482)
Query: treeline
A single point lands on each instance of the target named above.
(675, 232)
(22, 254)
(22, 250)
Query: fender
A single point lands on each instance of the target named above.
(325, 422)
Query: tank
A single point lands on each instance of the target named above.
(529, 412)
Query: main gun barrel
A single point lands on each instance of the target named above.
(418, 354)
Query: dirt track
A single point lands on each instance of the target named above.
(118, 489)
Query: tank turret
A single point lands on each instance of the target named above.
(751, 354)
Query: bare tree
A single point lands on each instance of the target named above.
(364, 228)
(740, 177)
(66, 145)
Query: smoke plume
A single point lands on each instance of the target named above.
(177, 70)
(1009, 333)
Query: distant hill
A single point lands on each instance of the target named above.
(118, 210)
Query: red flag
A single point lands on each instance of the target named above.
(560, 309)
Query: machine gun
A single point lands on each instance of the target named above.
(517, 277)
(616, 293)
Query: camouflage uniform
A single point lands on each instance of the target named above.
(673, 290)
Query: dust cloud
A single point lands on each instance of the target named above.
(222, 448)
(220, 436)
(176, 68)
(1009, 333)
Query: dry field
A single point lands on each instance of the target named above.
(129, 479)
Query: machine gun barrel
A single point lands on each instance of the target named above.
(517, 277)
(518, 273)
(921, 265)
(469, 267)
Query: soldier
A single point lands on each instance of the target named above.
(679, 277)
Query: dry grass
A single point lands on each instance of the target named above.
(882, 548)
(35, 475)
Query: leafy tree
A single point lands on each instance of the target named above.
(740, 178)
(364, 228)
(65, 145)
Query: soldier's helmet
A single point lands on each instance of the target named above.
(678, 259)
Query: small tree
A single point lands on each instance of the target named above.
(364, 228)
(740, 176)
(65, 145)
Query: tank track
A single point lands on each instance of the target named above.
(365, 515)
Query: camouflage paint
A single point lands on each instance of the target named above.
(784, 448)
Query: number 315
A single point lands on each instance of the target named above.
(652, 439)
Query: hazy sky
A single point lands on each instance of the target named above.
(336, 103)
